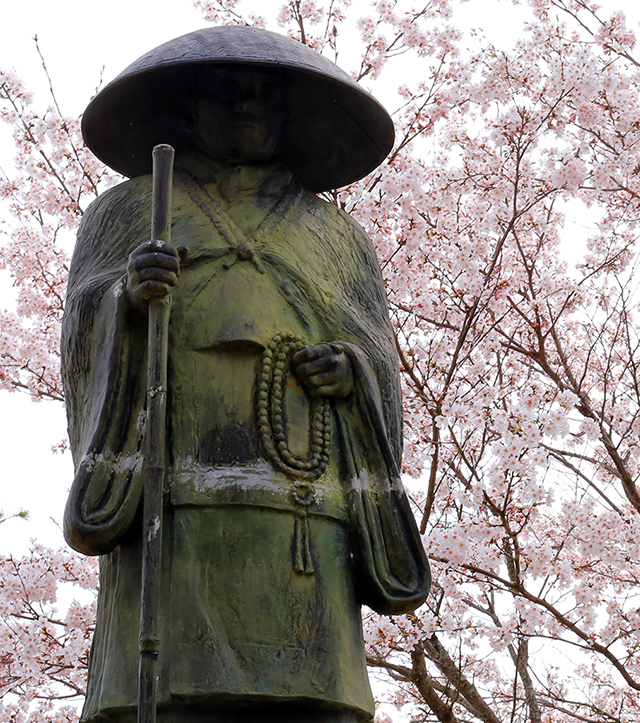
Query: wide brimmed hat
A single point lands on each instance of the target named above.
(336, 132)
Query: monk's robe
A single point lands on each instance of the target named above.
(260, 592)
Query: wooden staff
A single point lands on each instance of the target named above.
(159, 310)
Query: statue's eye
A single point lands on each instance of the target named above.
(272, 94)
(226, 89)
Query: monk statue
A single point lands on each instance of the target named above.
(283, 507)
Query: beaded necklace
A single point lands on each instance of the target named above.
(271, 429)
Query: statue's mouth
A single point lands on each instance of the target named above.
(249, 122)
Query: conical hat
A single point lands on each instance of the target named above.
(336, 132)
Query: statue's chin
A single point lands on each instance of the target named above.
(248, 151)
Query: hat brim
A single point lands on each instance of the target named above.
(336, 132)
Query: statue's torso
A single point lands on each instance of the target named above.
(239, 622)
(226, 309)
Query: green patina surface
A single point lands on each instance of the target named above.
(264, 566)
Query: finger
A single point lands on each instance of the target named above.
(318, 366)
(153, 290)
(324, 378)
(326, 390)
(310, 353)
(165, 276)
(157, 260)
(158, 246)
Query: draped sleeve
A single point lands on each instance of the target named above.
(102, 351)
(390, 565)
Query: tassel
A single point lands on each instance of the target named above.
(303, 564)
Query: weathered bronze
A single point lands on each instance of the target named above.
(155, 452)
(283, 507)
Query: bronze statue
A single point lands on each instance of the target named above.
(284, 511)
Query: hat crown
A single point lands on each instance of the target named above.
(236, 44)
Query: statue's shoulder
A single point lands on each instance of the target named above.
(113, 223)
(339, 222)
(346, 247)
(125, 198)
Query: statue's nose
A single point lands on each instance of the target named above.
(248, 103)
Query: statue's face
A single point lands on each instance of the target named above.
(240, 113)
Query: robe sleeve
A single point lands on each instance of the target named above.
(390, 564)
(105, 400)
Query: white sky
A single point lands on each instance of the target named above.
(78, 38)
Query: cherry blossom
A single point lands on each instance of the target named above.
(505, 221)
(43, 647)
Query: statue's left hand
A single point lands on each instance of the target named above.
(324, 370)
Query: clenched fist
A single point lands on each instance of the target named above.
(324, 370)
(152, 271)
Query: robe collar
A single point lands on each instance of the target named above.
(235, 181)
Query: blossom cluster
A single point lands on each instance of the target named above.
(43, 648)
(42, 201)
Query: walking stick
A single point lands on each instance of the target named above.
(154, 453)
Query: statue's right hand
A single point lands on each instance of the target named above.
(152, 271)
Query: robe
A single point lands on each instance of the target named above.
(240, 621)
